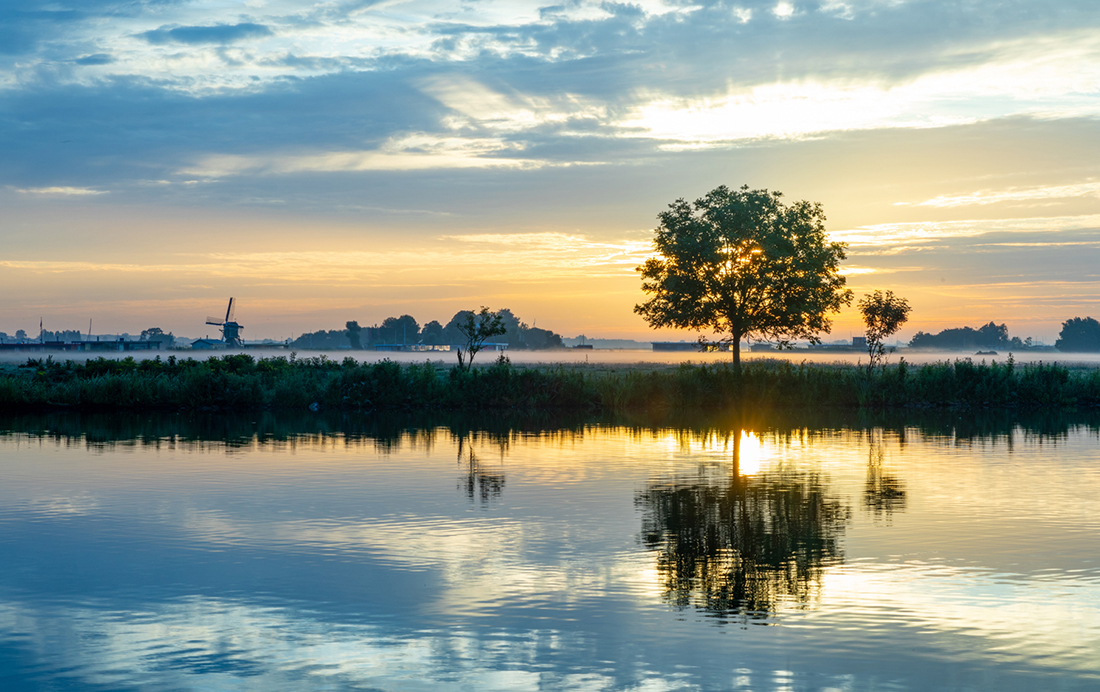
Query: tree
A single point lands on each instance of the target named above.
(400, 330)
(476, 328)
(353, 330)
(1079, 335)
(741, 264)
(432, 333)
(883, 313)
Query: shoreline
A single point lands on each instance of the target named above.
(243, 383)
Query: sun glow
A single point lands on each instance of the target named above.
(750, 454)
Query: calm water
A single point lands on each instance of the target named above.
(951, 553)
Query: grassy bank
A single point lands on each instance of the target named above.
(240, 382)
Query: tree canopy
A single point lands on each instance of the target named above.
(476, 329)
(883, 314)
(1079, 334)
(742, 264)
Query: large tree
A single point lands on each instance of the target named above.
(741, 264)
(1079, 335)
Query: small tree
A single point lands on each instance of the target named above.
(353, 330)
(740, 263)
(883, 313)
(476, 328)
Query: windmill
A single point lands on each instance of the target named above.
(231, 331)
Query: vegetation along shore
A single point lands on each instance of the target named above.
(243, 383)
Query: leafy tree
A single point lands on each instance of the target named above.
(157, 334)
(741, 264)
(476, 328)
(1079, 335)
(883, 313)
(400, 330)
(20, 334)
(353, 330)
(432, 333)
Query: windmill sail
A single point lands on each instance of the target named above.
(231, 330)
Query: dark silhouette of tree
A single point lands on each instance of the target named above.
(400, 330)
(1079, 334)
(321, 339)
(737, 545)
(432, 333)
(479, 481)
(883, 314)
(353, 330)
(883, 492)
(742, 264)
(965, 338)
(476, 329)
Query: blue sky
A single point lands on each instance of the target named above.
(352, 160)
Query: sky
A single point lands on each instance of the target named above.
(329, 161)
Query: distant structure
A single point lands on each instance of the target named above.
(859, 342)
(231, 330)
(98, 345)
(676, 346)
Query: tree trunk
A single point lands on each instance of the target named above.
(737, 355)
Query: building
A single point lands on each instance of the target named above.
(207, 344)
(676, 346)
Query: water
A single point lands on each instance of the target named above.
(166, 553)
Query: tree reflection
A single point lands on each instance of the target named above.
(479, 481)
(883, 493)
(740, 545)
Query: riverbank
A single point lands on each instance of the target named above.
(242, 383)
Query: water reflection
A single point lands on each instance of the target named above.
(330, 552)
(481, 481)
(884, 493)
(742, 545)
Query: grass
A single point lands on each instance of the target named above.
(243, 383)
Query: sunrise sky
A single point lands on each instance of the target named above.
(330, 161)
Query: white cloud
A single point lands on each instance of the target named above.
(60, 190)
(983, 197)
(1042, 78)
(480, 106)
(415, 151)
(927, 231)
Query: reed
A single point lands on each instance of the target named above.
(243, 383)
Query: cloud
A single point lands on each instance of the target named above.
(60, 190)
(984, 197)
(219, 34)
(915, 232)
(416, 151)
(95, 59)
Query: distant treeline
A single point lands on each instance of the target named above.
(71, 335)
(406, 330)
(240, 382)
(1077, 335)
(991, 336)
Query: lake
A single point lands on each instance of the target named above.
(946, 551)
